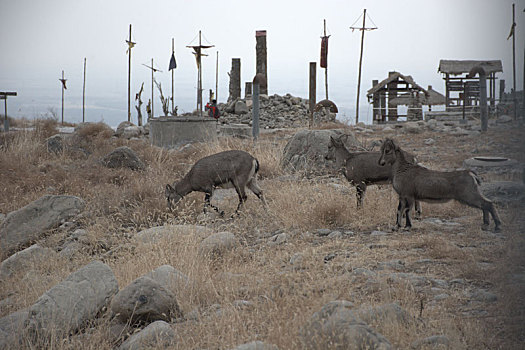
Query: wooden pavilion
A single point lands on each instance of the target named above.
(460, 89)
(400, 90)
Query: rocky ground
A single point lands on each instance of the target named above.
(92, 258)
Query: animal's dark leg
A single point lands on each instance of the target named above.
(400, 210)
(486, 220)
(207, 203)
(241, 192)
(360, 193)
(488, 206)
(417, 205)
(408, 206)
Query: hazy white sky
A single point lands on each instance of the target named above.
(41, 38)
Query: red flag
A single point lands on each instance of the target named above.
(324, 52)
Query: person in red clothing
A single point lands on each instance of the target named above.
(213, 110)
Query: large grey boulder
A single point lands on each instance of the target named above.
(307, 149)
(70, 304)
(240, 108)
(123, 157)
(24, 260)
(122, 126)
(145, 300)
(132, 131)
(169, 277)
(218, 243)
(337, 325)
(30, 222)
(157, 335)
(57, 143)
(12, 329)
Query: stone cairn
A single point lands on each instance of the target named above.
(275, 112)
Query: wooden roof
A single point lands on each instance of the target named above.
(433, 98)
(457, 67)
(391, 77)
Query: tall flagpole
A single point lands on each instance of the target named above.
(326, 68)
(130, 46)
(514, 64)
(84, 95)
(63, 88)
(172, 76)
(152, 79)
(217, 79)
(360, 65)
(362, 29)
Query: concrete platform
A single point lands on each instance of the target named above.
(170, 132)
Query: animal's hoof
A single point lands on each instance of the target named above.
(485, 227)
(497, 229)
(407, 228)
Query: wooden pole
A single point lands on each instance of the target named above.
(62, 97)
(514, 64)
(6, 121)
(326, 68)
(152, 79)
(217, 78)
(360, 65)
(129, 76)
(172, 77)
(312, 92)
(199, 85)
(84, 95)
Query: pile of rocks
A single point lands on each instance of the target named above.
(275, 112)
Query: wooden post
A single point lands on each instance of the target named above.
(84, 95)
(514, 64)
(3, 96)
(360, 65)
(172, 77)
(447, 92)
(217, 79)
(247, 90)
(235, 80)
(376, 104)
(152, 90)
(63, 85)
(382, 100)
(326, 69)
(392, 93)
(129, 75)
(6, 121)
(261, 58)
(199, 85)
(312, 92)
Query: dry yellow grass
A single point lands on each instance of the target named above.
(122, 202)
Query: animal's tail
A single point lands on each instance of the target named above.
(256, 166)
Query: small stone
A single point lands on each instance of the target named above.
(323, 232)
